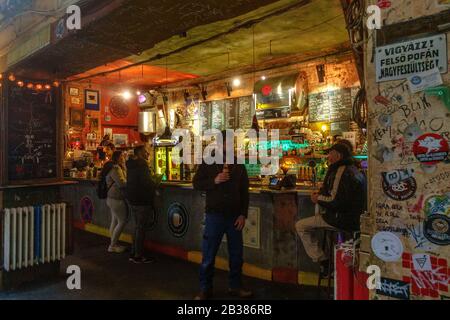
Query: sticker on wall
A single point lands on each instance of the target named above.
(412, 132)
(178, 219)
(400, 191)
(431, 148)
(384, 154)
(86, 209)
(437, 229)
(430, 275)
(387, 246)
(384, 4)
(428, 169)
(424, 80)
(385, 120)
(422, 262)
(437, 205)
(395, 289)
(396, 176)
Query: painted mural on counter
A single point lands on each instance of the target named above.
(409, 133)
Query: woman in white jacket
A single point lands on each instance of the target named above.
(116, 182)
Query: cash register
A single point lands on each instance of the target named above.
(288, 182)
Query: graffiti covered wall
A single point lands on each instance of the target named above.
(408, 230)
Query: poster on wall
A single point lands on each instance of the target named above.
(92, 100)
(401, 60)
(251, 232)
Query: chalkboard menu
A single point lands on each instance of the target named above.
(217, 115)
(230, 110)
(245, 112)
(331, 106)
(227, 114)
(32, 135)
(205, 115)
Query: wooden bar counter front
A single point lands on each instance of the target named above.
(272, 249)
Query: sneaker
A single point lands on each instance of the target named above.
(240, 293)
(139, 260)
(203, 295)
(116, 249)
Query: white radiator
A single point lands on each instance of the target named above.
(33, 235)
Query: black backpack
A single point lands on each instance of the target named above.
(103, 188)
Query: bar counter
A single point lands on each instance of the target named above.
(272, 249)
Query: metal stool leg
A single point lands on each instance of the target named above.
(330, 264)
(324, 245)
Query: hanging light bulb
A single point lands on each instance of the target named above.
(138, 93)
(47, 87)
(30, 86)
(236, 82)
(39, 87)
(12, 77)
(263, 78)
(56, 84)
(20, 83)
(1, 76)
(126, 94)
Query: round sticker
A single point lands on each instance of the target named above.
(387, 246)
(416, 80)
(178, 219)
(437, 229)
(402, 190)
(431, 148)
(266, 90)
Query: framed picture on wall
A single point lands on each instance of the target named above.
(93, 122)
(74, 91)
(92, 100)
(75, 100)
(76, 117)
(120, 140)
(108, 131)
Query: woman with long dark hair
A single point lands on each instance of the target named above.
(116, 182)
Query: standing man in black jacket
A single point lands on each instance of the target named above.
(343, 199)
(140, 195)
(227, 201)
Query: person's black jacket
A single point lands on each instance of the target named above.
(230, 198)
(344, 196)
(140, 190)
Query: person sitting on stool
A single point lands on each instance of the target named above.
(343, 199)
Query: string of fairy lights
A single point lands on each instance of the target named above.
(32, 85)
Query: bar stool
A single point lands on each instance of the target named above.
(330, 239)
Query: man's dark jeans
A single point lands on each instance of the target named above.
(216, 225)
(141, 215)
